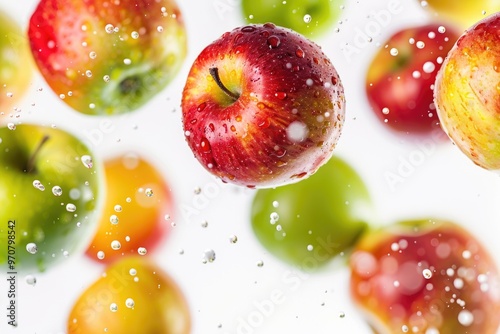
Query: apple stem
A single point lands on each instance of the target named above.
(31, 162)
(214, 72)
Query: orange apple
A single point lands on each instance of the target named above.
(137, 209)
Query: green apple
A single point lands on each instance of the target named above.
(50, 192)
(16, 66)
(310, 18)
(310, 222)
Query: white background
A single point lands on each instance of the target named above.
(443, 184)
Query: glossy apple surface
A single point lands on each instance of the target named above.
(51, 191)
(137, 212)
(467, 93)
(262, 106)
(425, 276)
(310, 222)
(311, 18)
(16, 66)
(401, 75)
(462, 13)
(134, 296)
(107, 57)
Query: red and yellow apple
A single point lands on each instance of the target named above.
(425, 276)
(107, 57)
(462, 13)
(401, 75)
(467, 93)
(16, 65)
(134, 295)
(262, 107)
(137, 212)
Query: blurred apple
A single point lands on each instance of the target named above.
(107, 57)
(51, 194)
(463, 13)
(133, 295)
(467, 93)
(16, 65)
(262, 107)
(426, 276)
(311, 18)
(137, 212)
(400, 77)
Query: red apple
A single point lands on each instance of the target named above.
(400, 77)
(262, 106)
(467, 93)
(107, 57)
(426, 276)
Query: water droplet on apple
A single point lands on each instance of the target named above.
(300, 53)
(129, 302)
(113, 307)
(88, 73)
(208, 256)
(297, 132)
(134, 34)
(394, 52)
(248, 29)
(118, 208)
(307, 18)
(201, 106)
(273, 41)
(441, 29)
(149, 192)
(106, 78)
(142, 251)
(32, 248)
(100, 255)
(404, 329)
(309, 82)
(273, 218)
(416, 74)
(92, 55)
(427, 273)
(116, 245)
(30, 280)
(38, 185)
(385, 111)
(70, 207)
(57, 191)
(280, 95)
(429, 67)
(159, 29)
(420, 45)
(113, 219)
(465, 318)
(87, 161)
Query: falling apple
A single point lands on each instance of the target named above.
(50, 190)
(107, 57)
(467, 93)
(425, 276)
(262, 106)
(401, 75)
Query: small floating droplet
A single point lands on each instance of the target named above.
(87, 161)
(32, 248)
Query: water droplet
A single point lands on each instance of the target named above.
(100, 255)
(201, 106)
(113, 307)
(106, 78)
(297, 132)
(310, 248)
(300, 53)
(87, 161)
(429, 67)
(204, 224)
(129, 302)
(280, 95)
(465, 318)
(394, 52)
(118, 208)
(260, 263)
(342, 315)
(11, 126)
(420, 45)
(30, 280)
(276, 204)
(205, 145)
(113, 219)
(416, 74)
(92, 55)
(116, 245)
(38, 185)
(132, 271)
(142, 251)
(31, 248)
(404, 329)
(134, 35)
(149, 192)
(441, 29)
(70, 207)
(466, 254)
(274, 217)
(307, 18)
(159, 29)
(233, 239)
(427, 273)
(208, 256)
(88, 73)
(385, 111)
(273, 41)
(57, 191)
(309, 82)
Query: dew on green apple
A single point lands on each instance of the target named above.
(274, 217)
(70, 207)
(32, 248)
(38, 185)
(87, 161)
(116, 245)
(307, 18)
(30, 280)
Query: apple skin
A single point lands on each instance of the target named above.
(462, 13)
(287, 119)
(142, 218)
(467, 95)
(16, 64)
(40, 216)
(399, 88)
(74, 51)
(290, 14)
(391, 284)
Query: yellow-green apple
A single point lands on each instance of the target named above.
(262, 106)
(311, 18)
(134, 295)
(138, 208)
(50, 190)
(16, 65)
(425, 276)
(462, 13)
(467, 93)
(401, 75)
(310, 222)
(107, 57)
